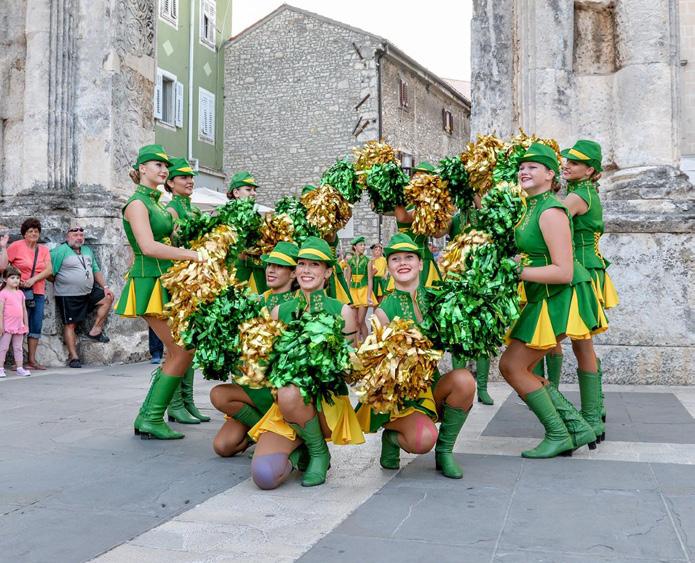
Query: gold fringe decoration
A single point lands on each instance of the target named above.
(434, 207)
(276, 227)
(256, 339)
(455, 253)
(327, 210)
(479, 159)
(395, 363)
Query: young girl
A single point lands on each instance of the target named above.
(14, 321)
(360, 286)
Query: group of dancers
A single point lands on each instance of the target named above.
(565, 289)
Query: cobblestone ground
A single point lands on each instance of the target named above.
(77, 485)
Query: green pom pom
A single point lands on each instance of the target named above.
(213, 331)
(242, 215)
(292, 207)
(507, 164)
(502, 208)
(343, 178)
(454, 172)
(385, 183)
(312, 354)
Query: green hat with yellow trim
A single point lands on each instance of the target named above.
(242, 179)
(152, 152)
(283, 254)
(587, 152)
(357, 240)
(308, 188)
(180, 167)
(401, 242)
(542, 154)
(425, 167)
(317, 249)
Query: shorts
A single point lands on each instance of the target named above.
(75, 308)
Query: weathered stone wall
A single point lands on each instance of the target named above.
(80, 81)
(608, 71)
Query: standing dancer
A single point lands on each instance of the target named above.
(451, 396)
(180, 184)
(248, 269)
(377, 272)
(243, 406)
(147, 224)
(360, 287)
(291, 421)
(561, 303)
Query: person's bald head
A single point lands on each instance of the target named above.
(75, 234)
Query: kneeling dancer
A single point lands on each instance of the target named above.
(561, 302)
(291, 421)
(449, 399)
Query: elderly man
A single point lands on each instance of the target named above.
(75, 271)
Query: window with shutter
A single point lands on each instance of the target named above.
(179, 104)
(403, 93)
(158, 95)
(165, 97)
(208, 11)
(169, 11)
(206, 115)
(447, 121)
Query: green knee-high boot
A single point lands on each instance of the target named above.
(177, 408)
(590, 394)
(538, 369)
(553, 366)
(601, 396)
(319, 456)
(557, 439)
(452, 422)
(150, 421)
(390, 450)
(482, 370)
(247, 415)
(187, 394)
(580, 430)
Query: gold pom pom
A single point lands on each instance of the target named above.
(433, 205)
(371, 153)
(395, 363)
(191, 283)
(327, 210)
(479, 159)
(455, 253)
(525, 140)
(256, 339)
(275, 228)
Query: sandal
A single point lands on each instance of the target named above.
(75, 363)
(37, 367)
(101, 337)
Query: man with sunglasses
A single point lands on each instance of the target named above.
(80, 288)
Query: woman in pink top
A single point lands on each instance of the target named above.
(14, 321)
(33, 261)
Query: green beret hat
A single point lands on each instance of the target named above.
(241, 180)
(357, 240)
(283, 254)
(401, 242)
(426, 167)
(588, 152)
(152, 152)
(542, 154)
(316, 249)
(180, 167)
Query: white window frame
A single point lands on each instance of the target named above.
(206, 116)
(208, 10)
(178, 119)
(159, 97)
(169, 12)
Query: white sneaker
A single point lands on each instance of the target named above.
(24, 372)
(2, 372)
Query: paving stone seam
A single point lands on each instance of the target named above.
(507, 512)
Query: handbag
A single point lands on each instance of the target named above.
(29, 292)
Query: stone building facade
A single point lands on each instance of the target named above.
(615, 71)
(76, 89)
(302, 90)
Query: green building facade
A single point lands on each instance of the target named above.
(188, 102)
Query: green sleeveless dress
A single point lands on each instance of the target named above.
(359, 280)
(400, 304)
(430, 275)
(143, 293)
(251, 270)
(588, 229)
(553, 309)
(183, 207)
(337, 287)
(339, 414)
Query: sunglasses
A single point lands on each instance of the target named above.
(76, 230)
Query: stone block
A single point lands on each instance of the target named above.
(643, 32)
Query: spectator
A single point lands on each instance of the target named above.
(34, 264)
(14, 321)
(76, 271)
(156, 348)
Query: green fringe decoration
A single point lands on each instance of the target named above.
(472, 310)
(312, 354)
(294, 209)
(507, 164)
(385, 183)
(454, 172)
(213, 330)
(343, 178)
(502, 208)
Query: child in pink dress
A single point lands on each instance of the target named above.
(14, 321)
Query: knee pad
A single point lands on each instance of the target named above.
(269, 471)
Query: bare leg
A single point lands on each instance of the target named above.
(586, 357)
(178, 359)
(103, 307)
(516, 364)
(456, 389)
(70, 339)
(231, 438)
(417, 433)
(361, 313)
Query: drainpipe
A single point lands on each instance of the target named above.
(379, 53)
(191, 38)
